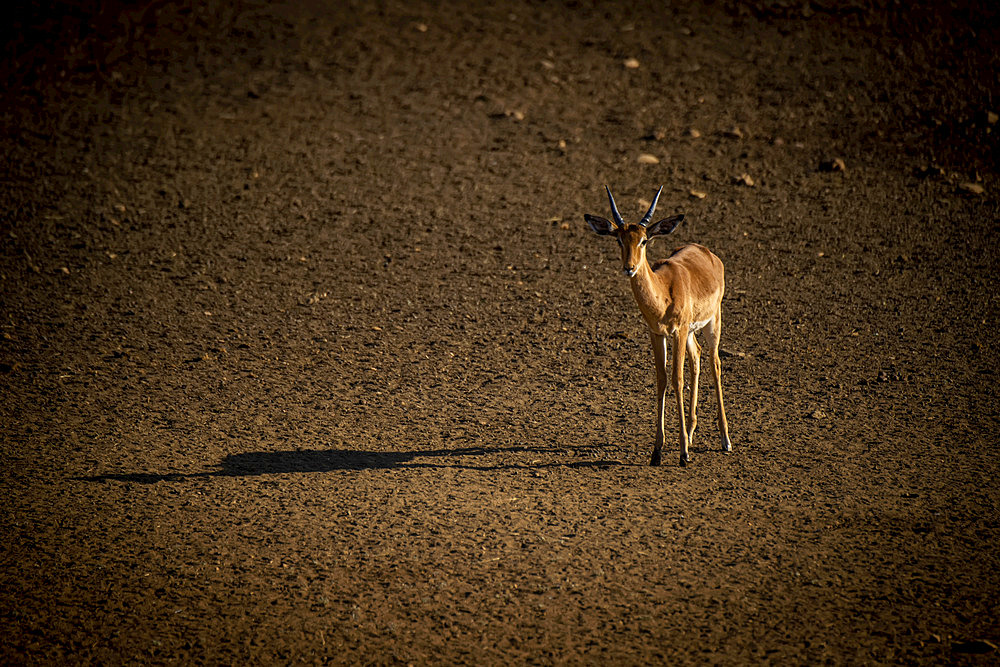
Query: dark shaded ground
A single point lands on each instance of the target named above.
(307, 354)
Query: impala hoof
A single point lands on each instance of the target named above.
(727, 446)
(655, 461)
(685, 459)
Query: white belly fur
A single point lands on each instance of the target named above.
(698, 326)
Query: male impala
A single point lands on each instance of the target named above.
(677, 296)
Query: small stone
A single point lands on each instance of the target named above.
(745, 179)
(646, 158)
(631, 63)
(971, 188)
(836, 164)
(421, 27)
(697, 194)
(564, 225)
(694, 133)
(992, 117)
(734, 132)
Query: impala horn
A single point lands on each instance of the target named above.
(652, 207)
(614, 209)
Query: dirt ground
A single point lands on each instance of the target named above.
(307, 354)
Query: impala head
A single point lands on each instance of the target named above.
(632, 237)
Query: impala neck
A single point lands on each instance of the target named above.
(647, 288)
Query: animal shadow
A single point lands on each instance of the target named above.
(253, 464)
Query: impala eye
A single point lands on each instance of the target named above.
(643, 242)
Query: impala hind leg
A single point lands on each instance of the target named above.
(714, 336)
(678, 382)
(694, 356)
(660, 360)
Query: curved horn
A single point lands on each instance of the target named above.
(614, 209)
(649, 214)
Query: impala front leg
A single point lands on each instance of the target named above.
(678, 381)
(660, 360)
(694, 357)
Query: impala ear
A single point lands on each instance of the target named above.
(665, 226)
(599, 225)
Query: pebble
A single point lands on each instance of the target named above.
(930, 170)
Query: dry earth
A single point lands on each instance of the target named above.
(308, 356)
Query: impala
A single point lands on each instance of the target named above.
(678, 297)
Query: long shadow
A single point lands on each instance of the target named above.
(252, 464)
